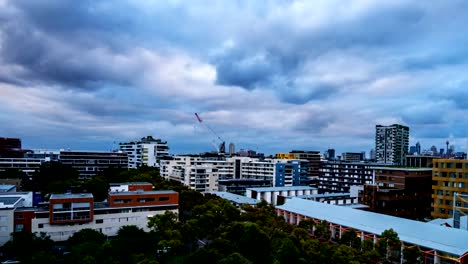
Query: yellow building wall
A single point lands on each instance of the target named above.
(285, 156)
(448, 176)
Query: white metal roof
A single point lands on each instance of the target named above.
(449, 240)
(236, 198)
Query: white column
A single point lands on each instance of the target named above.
(436, 258)
(268, 198)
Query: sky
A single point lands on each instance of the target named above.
(267, 75)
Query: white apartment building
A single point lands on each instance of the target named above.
(148, 151)
(203, 174)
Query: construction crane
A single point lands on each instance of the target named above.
(222, 146)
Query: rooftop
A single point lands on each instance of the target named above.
(402, 168)
(6, 187)
(71, 195)
(235, 198)
(449, 240)
(142, 192)
(130, 183)
(278, 189)
(9, 200)
(324, 195)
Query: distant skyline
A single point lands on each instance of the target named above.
(266, 75)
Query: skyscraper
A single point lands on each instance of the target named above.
(391, 144)
(232, 149)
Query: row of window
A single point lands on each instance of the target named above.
(450, 165)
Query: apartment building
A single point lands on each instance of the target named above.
(146, 152)
(402, 192)
(67, 214)
(202, 172)
(449, 177)
(391, 144)
(90, 163)
(339, 176)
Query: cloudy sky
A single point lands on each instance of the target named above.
(269, 75)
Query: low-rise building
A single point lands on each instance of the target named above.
(90, 163)
(67, 214)
(437, 244)
(402, 192)
(277, 195)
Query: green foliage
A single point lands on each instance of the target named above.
(86, 235)
(350, 239)
(54, 177)
(412, 255)
(28, 246)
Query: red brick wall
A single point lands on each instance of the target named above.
(26, 219)
(167, 198)
(138, 187)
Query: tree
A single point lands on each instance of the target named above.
(131, 241)
(85, 236)
(87, 246)
(26, 246)
(322, 230)
(412, 254)
(389, 244)
(350, 239)
(98, 186)
(54, 177)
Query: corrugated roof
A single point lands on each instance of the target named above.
(236, 198)
(71, 195)
(278, 189)
(449, 240)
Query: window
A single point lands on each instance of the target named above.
(40, 226)
(19, 227)
(3, 218)
(164, 198)
(449, 165)
(145, 200)
(19, 217)
(99, 221)
(458, 165)
(3, 228)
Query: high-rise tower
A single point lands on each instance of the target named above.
(391, 144)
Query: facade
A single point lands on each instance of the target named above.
(26, 165)
(9, 202)
(10, 148)
(332, 198)
(339, 176)
(437, 244)
(70, 213)
(419, 161)
(90, 163)
(277, 195)
(42, 154)
(232, 149)
(391, 144)
(239, 186)
(130, 187)
(402, 192)
(313, 157)
(205, 173)
(352, 156)
(146, 152)
(449, 177)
